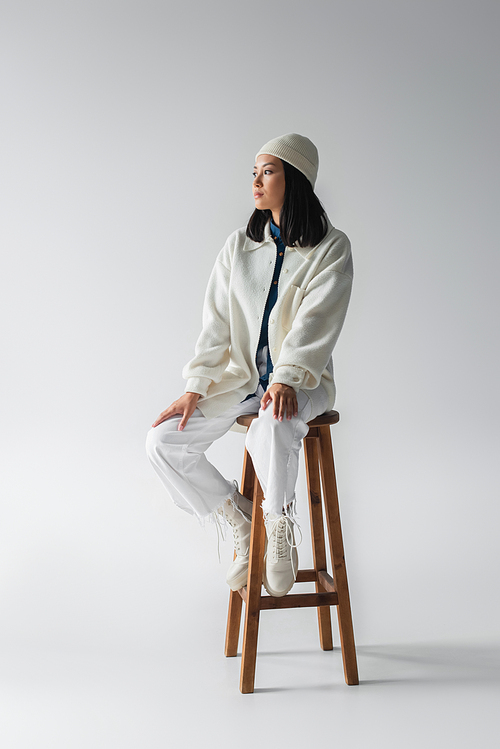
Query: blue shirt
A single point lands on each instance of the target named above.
(271, 301)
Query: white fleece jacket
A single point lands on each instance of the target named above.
(313, 294)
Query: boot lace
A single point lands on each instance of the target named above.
(277, 538)
(281, 538)
(222, 520)
(219, 525)
(236, 535)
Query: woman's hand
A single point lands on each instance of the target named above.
(184, 405)
(284, 401)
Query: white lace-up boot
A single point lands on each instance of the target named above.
(281, 560)
(237, 510)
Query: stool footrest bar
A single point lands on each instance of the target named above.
(306, 576)
(298, 600)
(326, 581)
(294, 600)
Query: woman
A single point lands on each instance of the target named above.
(275, 304)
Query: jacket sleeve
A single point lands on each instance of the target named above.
(308, 345)
(213, 344)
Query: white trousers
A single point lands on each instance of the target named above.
(196, 486)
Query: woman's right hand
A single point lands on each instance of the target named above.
(184, 405)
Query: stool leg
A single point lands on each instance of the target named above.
(233, 624)
(235, 600)
(337, 551)
(318, 535)
(254, 586)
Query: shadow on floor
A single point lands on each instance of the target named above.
(412, 663)
(433, 662)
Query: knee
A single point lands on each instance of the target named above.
(151, 441)
(266, 418)
(266, 424)
(159, 436)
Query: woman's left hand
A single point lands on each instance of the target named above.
(284, 401)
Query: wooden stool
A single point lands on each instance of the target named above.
(330, 591)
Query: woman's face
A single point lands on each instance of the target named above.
(269, 183)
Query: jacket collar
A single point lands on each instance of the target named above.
(306, 252)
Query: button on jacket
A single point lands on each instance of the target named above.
(314, 289)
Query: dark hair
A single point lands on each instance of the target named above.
(302, 217)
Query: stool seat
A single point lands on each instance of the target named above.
(331, 587)
(329, 417)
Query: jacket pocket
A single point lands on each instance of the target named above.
(291, 304)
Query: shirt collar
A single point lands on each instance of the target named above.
(274, 229)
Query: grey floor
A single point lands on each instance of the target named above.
(184, 692)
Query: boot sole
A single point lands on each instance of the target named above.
(238, 582)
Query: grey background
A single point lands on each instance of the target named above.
(129, 136)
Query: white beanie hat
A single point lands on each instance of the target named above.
(298, 151)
